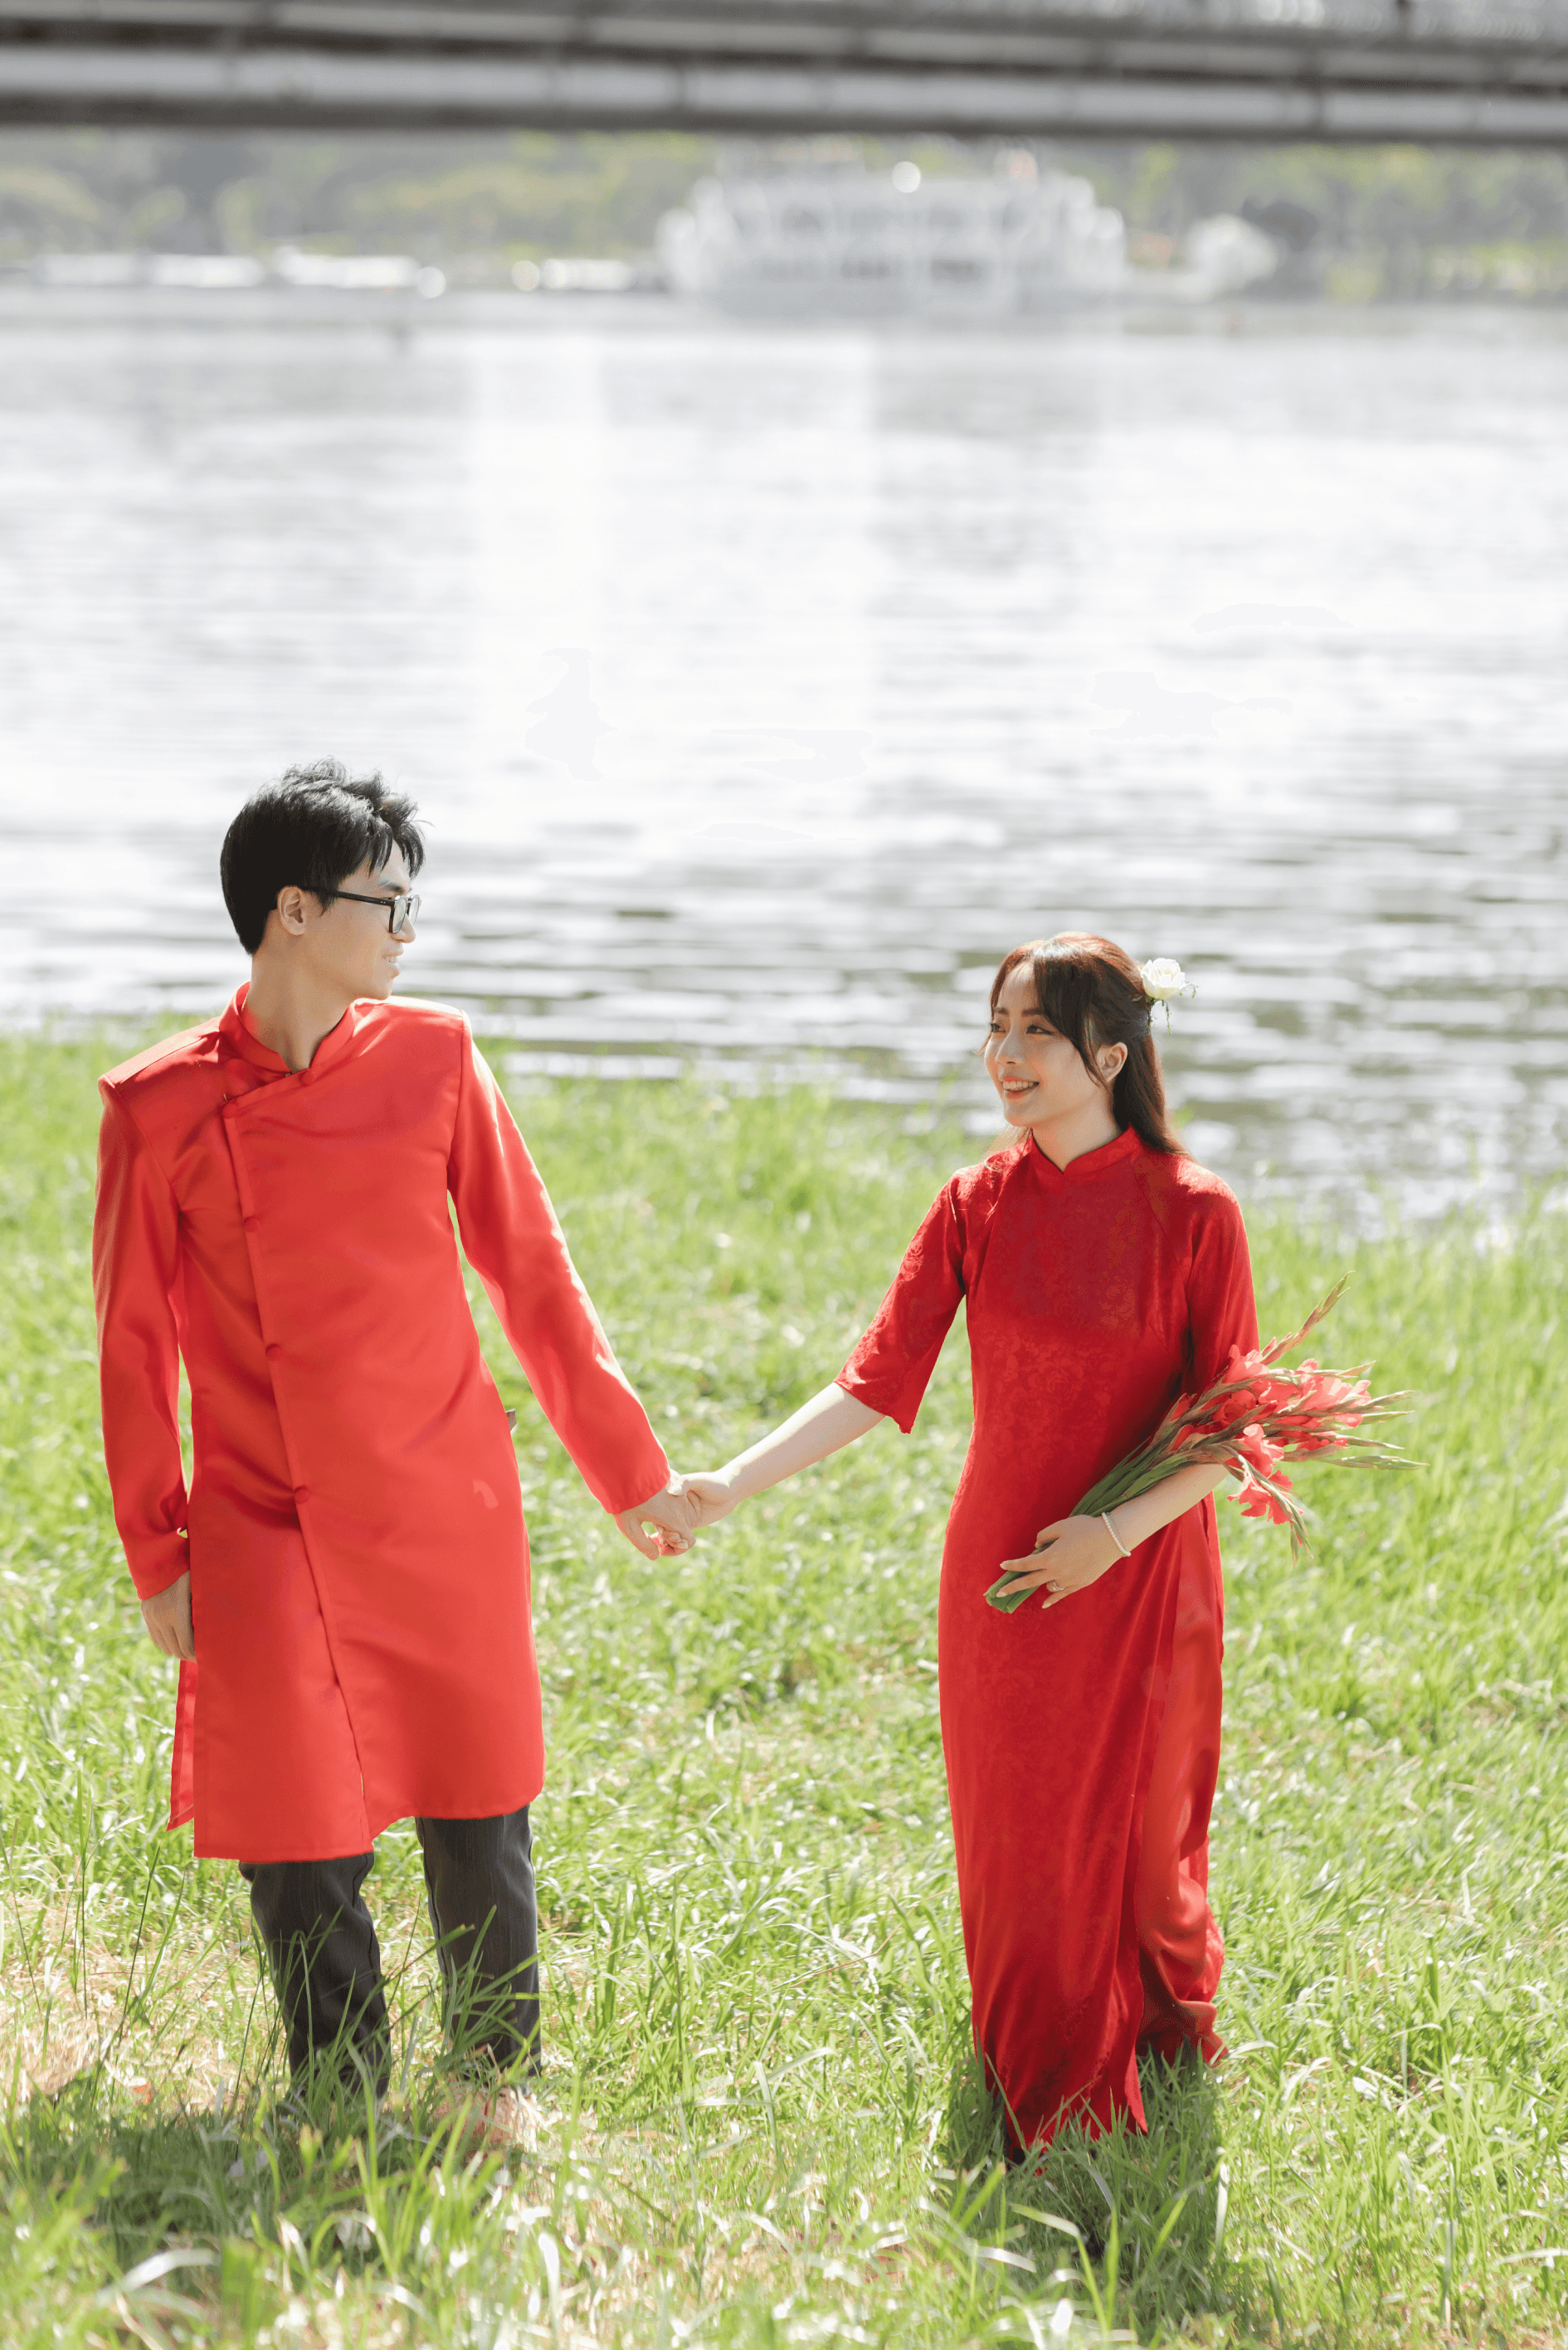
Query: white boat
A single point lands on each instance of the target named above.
(852, 241)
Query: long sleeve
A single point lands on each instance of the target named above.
(891, 1366)
(136, 1268)
(1221, 1310)
(519, 1252)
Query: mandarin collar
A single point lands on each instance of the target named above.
(1092, 1163)
(236, 1033)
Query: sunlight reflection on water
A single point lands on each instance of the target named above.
(762, 686)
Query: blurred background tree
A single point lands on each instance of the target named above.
(1357, 222)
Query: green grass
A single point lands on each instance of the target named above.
(760, 2123)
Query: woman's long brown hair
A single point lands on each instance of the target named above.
(1091, 990)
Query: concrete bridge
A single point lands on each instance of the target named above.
(1458, 72)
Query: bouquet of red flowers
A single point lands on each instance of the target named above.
(1251, 1421)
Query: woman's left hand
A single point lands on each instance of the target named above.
(1068, 1557)
(671, 1517)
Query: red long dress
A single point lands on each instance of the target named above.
(354, 1524)
(1082, 1742)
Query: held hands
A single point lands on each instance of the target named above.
(662, 1526)
(676, 1512)
(1068, 1555)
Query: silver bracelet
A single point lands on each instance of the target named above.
(1121, 1547)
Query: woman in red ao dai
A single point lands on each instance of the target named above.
(1102, 1273)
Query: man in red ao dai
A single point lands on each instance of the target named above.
(344, 1580)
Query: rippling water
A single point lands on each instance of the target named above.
(763, 685)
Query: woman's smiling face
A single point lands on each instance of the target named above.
(1037, 1071)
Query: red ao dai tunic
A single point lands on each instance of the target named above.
(1082, 1742)
(353, 1524)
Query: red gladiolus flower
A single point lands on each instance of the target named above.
(1255, 1417)
(1255, 1501)
(1258, 1453)
(1325, 1391)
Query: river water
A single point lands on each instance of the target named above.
(762, 684)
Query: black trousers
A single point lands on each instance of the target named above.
(321, 1947)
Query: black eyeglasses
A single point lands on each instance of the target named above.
(401, 911)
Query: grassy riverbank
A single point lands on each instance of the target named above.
(758, 2128)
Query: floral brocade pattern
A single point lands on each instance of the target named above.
(1082, 1743)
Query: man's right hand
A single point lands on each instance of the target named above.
(167, 1615)
(669, 1513)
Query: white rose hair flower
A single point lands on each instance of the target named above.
(1163, 978)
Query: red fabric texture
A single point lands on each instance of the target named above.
(354, 1524)
(1082, 1742)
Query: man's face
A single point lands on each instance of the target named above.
(348, 948)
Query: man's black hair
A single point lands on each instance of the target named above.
(311, 830)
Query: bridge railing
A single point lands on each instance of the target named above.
(1475, 72)
(873, 27)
